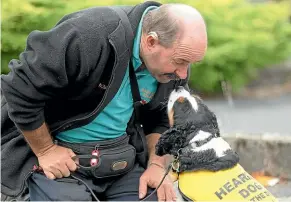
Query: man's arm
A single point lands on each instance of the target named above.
(55, 161)
(51, 61)
(43, 70)
(161, 161)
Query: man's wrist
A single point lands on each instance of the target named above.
(154, 160)
(39, 140)
(157, 164)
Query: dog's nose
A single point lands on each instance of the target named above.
(181, 99)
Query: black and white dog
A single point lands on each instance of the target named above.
(205, 165)
(195, 134)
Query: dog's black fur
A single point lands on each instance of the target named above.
(187, 124)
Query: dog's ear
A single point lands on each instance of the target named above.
(165, 142)
(174, 139)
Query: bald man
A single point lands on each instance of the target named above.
(68, 102)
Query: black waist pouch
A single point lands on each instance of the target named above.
(103, 159)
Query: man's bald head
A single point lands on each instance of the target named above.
(170, 22)
(183, 11)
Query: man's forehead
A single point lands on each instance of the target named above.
(190, 52)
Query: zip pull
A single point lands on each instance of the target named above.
(37, 168)
(95, 152)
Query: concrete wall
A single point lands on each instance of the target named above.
(269, 152)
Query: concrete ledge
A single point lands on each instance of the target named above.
(268, 152)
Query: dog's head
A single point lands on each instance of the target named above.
(184, 108)
(194, 135)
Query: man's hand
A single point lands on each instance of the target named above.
(152, 178)
(56, 162)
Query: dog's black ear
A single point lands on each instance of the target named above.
(164, 144)
(174, 139)
(169, 142)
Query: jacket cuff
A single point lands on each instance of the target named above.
(30, 126)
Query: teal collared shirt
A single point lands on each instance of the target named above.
(112, 121)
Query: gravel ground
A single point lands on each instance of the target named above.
(282, 191)
(284, 199)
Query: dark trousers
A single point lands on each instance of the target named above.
(124, 188)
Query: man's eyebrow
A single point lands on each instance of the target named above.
(187, 61)
(183, 60)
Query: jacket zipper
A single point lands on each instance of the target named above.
(68, 124)
(24, 182)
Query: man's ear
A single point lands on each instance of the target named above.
(152, 39)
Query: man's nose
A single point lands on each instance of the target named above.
(182, 73)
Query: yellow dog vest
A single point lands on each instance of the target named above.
(233, 184)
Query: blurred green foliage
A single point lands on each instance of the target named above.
(242, 36)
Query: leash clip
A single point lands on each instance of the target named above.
(176, 162)
(176, 165)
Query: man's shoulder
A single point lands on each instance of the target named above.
(103, 19)
(94, 19)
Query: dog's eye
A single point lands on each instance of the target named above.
(194, 144)
(198, 144)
